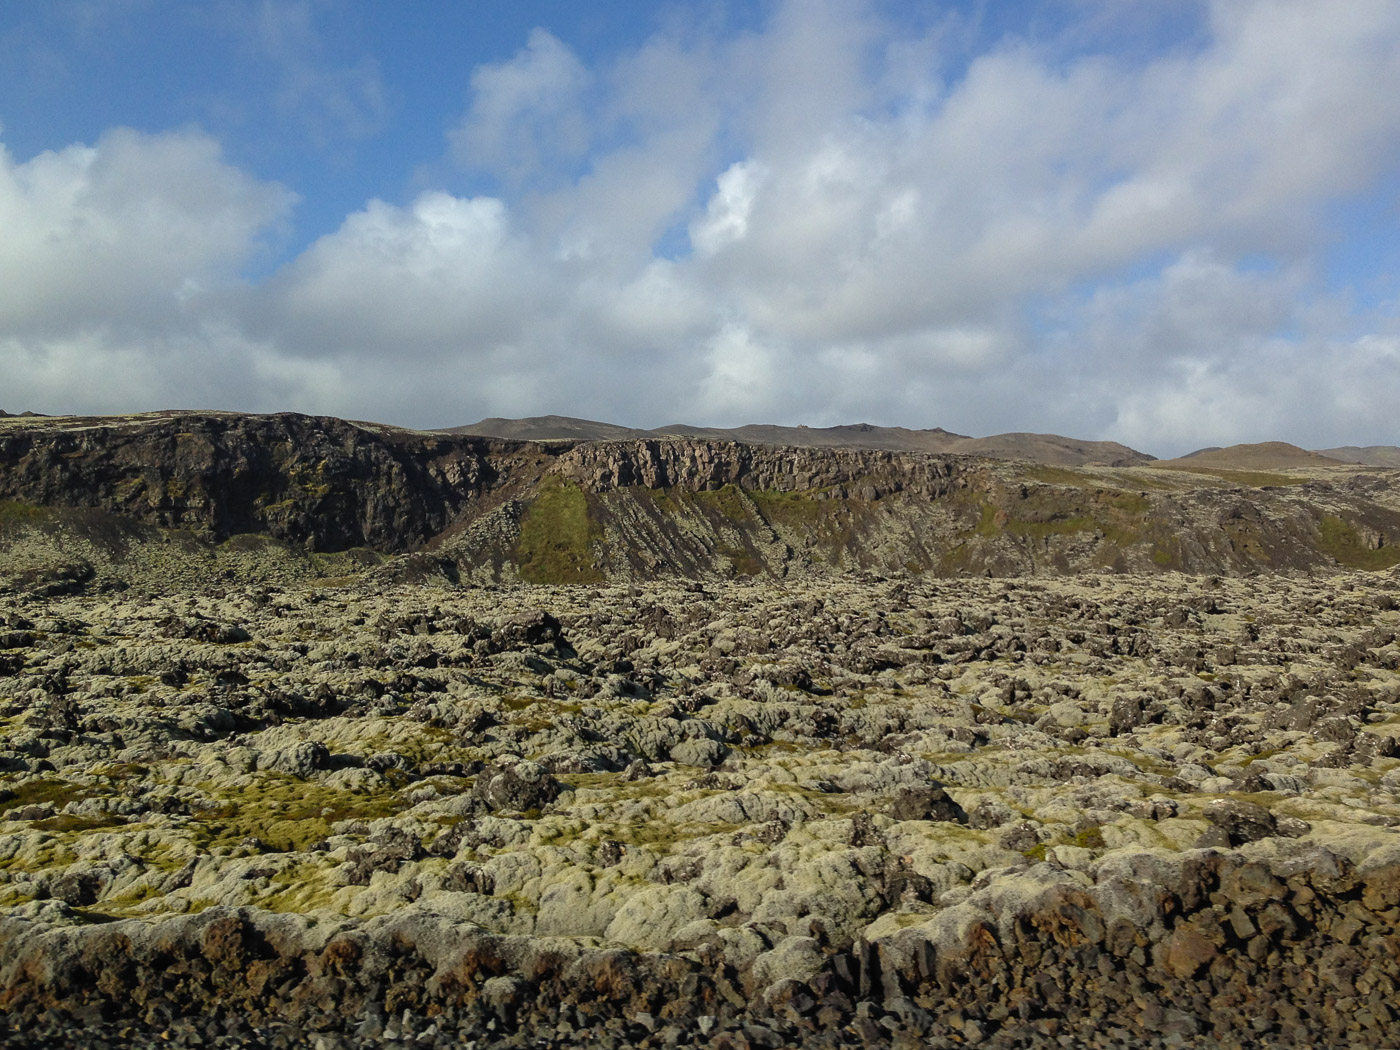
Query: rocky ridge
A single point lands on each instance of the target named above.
(1049, 449)
(221, 493)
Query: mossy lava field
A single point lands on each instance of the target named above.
(1095, 810)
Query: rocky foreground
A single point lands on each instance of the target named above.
(1104, 810)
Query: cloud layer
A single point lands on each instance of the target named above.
(812, 222)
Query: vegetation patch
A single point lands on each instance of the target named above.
(742, 562)
(1341, 540)
(287, 814)
(728, 501)
(18, 512)
(557, 535)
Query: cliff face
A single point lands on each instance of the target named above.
(698, 466)
(324, 483)
(583, 512)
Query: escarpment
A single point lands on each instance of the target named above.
(490, 510)
(314, 481)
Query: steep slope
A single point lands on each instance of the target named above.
(324, 483)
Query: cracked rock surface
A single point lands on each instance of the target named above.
(854, 811)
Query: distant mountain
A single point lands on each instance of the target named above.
(1050, 449)
(854, 435)
(1266, 455)
(1369, 456)
(548, 428)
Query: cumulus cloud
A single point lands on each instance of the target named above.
(440, 274)
(814, 221)
(126, 232)
(525, 113)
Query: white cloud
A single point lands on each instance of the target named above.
(445, 272)
(526, 112)
(123, 233)
(808, 222)
(726, 218)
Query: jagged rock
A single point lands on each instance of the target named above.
(300, 760)
(927, 803)
(702, 752)
(518, 787)
(448, 784)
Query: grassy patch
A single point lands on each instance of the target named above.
(18, 512)
(1340, 540)
(36, 792)
(557, 535)
(728, 501)
(788, 508)
(742, 562)
(288, 814)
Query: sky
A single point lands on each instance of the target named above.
(1170, 223)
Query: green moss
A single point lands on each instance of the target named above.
(1340, 540)
(1090, 838)
(987, 524)
(835, 526)
(286, 813)
(741, 562)
(19, 512)
(557, 535)
(792, 508)
(728, 501)
(66, 822)
(1053, 527)
(37, 792)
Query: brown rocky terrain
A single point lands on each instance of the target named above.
(1265, 455)
(787, 746)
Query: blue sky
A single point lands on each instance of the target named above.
(1167, 223)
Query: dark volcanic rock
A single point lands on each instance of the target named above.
(519, 787)
(326, 483)
(927, 803)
